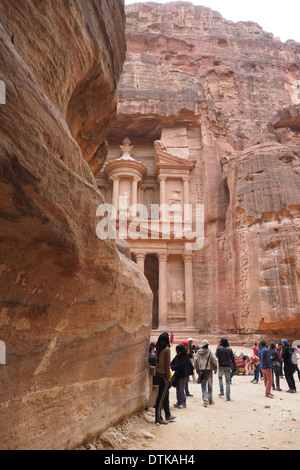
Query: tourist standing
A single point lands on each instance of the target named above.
(257, 365)
(297, 350)
(162, 379)
(289, 366)
(191, 353)
(266, 367)
(152, 355)
(226, 360)
(179, 366)
(205, 363)
(279, 350)
(275, 366)
(192, 347)
(190, 368)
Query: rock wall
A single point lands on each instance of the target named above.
(262, 235)
(75, 313)
(189, 67)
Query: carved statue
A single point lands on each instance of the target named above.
(125, 200)
(177, 298)
(176, 307)
(175, 197)
(224, 161)
(126, 147)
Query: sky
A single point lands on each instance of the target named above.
(282, 18)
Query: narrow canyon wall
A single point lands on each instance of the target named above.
(75, 313)
(224, 82)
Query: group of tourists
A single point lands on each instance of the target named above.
(201, 363)
(274, 361)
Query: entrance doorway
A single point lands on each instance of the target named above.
(152, 273)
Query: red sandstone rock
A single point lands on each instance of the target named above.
(262, 236)
(75, 313)
(224, 81)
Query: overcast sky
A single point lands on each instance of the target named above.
(282, 18)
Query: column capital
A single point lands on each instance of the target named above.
(162, 256)
(140, 256)
(114, 178)
(162, 178)
(186, 179)
(137, 178)
(187, 257)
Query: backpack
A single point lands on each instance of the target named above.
(292, 357)
(274, 361)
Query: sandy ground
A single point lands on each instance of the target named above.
(250, 421)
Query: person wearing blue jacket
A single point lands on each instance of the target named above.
(266, 367)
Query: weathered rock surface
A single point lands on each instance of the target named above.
(262, 237)
(183, 57)
(188, 67)
(75, 313)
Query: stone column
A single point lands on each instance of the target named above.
(162, 198)
(162, 291)
(188, 214)
(134, 194)
(186, 189)
(162, 180)
(140, 259)
(189, 290)
(115, 194)
(134, 190)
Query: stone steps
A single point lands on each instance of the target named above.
(184, 334)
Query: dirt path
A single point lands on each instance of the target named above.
(248, 422)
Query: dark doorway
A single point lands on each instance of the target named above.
(151, 273)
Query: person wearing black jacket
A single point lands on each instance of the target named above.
(162, 379)
(289, 367)
(190, 367)
(226, 360)
(275, 366)
(179, 366)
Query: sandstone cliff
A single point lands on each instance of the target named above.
(75, 314)
(189, 67)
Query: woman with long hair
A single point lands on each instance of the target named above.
(162, 379)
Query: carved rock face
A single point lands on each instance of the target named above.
(263, 220)
(223, 82)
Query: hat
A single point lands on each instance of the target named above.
(190, 339)
(285, 341)
(185, 343)
(204, 343)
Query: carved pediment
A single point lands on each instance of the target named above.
(164, 159)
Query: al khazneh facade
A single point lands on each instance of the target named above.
(153, 178)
